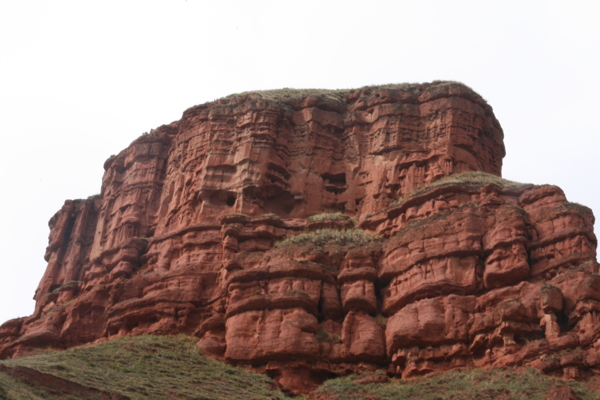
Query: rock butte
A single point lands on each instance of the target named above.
(426, 261)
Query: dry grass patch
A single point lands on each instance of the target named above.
(330, 216)
(474, 179)
(321, 237)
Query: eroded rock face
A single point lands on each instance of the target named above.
(467, 285)
(461, 269)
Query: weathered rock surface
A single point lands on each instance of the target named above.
(461, 268)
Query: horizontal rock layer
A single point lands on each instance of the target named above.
(442, 267)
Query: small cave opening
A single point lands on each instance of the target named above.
(358, 204)
(334, 179)
(281, 204)
(221, 198)
(334, 183)
(336, 207)
(230, 201)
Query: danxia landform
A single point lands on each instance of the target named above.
(316, 233)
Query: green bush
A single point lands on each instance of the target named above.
(334, 216)
(321, 237)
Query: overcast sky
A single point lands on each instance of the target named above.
(80, 80)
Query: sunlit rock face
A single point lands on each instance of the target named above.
(427, 260)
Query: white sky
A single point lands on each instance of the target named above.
(80, 80)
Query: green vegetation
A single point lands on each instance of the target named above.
(290, 93)
(338, 94)
(474, 179)
(381, 320)
(11, 388)
(511, 384)
(578, 206)
(478, 178)
(239, 215)
(323, 336)
(170, 367)
(321, 237)
(253, 217)
(141, 367)
(70, 283)
(333, 216)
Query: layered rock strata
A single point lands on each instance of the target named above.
(213, 226)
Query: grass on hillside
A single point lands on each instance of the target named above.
(143, 367)
(14, 389)
(471, 179)
(321, 237)
(169, 367)
(510, 384)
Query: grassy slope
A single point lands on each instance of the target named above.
(510, 384)
(169, 367)
(11, 388)
(144, 367)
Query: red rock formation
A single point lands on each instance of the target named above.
(460, 268)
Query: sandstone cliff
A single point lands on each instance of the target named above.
(424, 260)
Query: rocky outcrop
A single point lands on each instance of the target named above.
(485, 274)
(425, 259)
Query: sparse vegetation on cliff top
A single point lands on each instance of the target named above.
(478, 178)
(321, 237)
(473, 178)
(337, 94)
